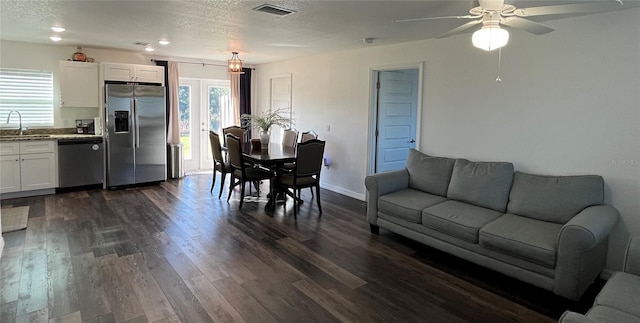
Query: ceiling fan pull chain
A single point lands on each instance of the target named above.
(498, 79)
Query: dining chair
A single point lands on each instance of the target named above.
(241, 172)
(308, 135)
(219, 163)
(236, 131)
(306, 172)
(290, 138)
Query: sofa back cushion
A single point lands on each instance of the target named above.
(554, 198)
(429, 174)
(483, 184)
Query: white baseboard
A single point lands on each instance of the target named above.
(342, 191)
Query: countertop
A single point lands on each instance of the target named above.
(48, 137)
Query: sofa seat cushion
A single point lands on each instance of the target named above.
(604, 314)
(522, 237)
(554, 198)
(621, 292)
(458, 219)
(429, 174)
(407, 204)
(484, 184)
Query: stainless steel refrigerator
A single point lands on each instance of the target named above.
(136, 135)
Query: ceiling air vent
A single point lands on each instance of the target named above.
(140, 43)
(278, 11)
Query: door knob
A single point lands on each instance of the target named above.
(411, 141)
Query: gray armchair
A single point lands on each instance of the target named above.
(619, 299)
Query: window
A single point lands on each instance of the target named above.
(28, 91)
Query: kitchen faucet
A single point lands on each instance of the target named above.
(19, 117)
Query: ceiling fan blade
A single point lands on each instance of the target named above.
(576, 8)
(435, 18)
(460, 30)
(526, 25)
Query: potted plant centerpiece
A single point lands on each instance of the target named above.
(264, 121)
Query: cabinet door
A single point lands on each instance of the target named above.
(37, 171)
(9, 173)
(79, 84)
(150, 74)
(119, 72)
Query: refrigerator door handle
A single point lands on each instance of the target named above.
(137, 122)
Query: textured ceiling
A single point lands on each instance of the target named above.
(212, 29)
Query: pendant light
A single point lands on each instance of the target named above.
(235, 64)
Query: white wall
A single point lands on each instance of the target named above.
(569, 103)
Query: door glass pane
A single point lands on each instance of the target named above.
(184, 95)
(218, 102)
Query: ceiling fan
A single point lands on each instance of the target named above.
(493, 14)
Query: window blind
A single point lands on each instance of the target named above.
(27, 91)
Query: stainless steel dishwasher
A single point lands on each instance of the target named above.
(80, 163)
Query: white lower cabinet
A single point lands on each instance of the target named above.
(37, 171)
(34, 168)
(9, 173)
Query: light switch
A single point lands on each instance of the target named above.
(328, 127)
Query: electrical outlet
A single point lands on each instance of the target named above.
(66, 122)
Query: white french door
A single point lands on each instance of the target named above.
(204, 105)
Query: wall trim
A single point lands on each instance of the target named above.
(46, 191)
(340, 190)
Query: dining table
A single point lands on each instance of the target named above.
(271, 158)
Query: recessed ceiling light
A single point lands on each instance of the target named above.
(149, 49)
(164, 42)
(55, 38)
(58, 29)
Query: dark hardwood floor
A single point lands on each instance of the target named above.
(175, 253)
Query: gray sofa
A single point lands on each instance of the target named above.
(548, 231)
(619, 299)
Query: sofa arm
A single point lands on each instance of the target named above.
(582, 249)
(589, 227)
(573, 317)
(632, 257)
(381, 184)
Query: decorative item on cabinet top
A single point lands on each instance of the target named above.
(79, 56)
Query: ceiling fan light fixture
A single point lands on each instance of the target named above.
(490, 37)
(235, 64)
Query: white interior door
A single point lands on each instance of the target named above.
(204, 105)
(397, 106)
(280, 99)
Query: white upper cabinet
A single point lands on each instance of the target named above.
(79, 84)
(133, 73)
(150, 74)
